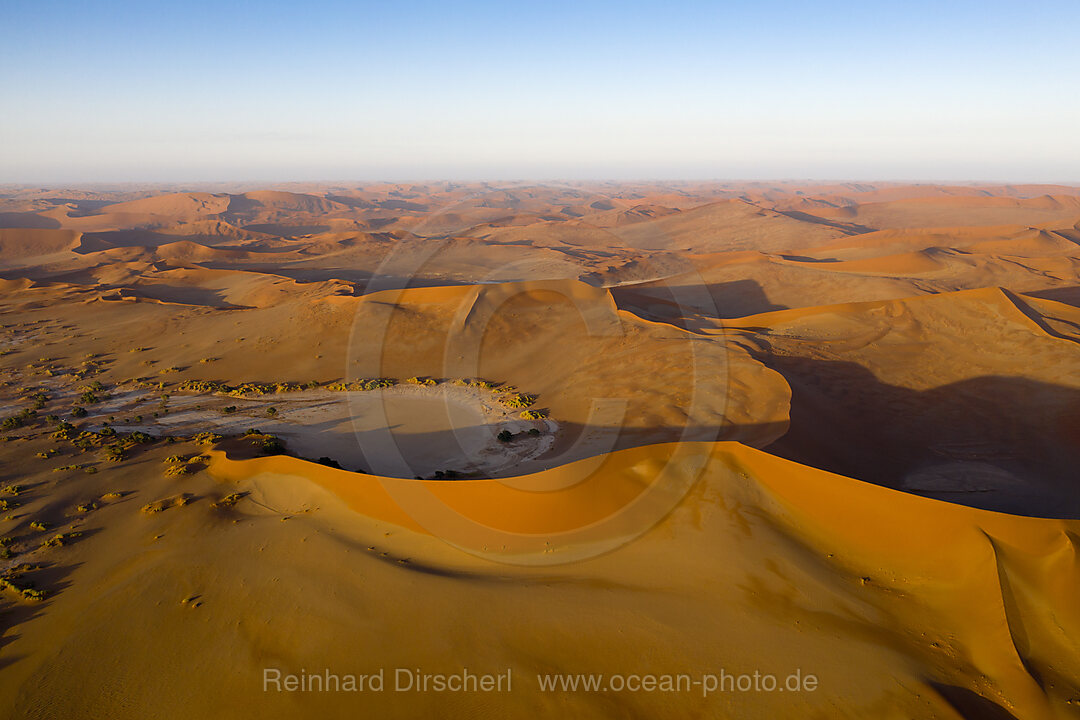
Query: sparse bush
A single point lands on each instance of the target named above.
(505, 436)
(78, 412)
(373, 384)
(60, 540)
(206, 438)
(203, 386)
(141, 438)
(517, 400)
(533, 414)
(11, 423)
(13, 489)
(159, 505)
(39, 525)
(420, 381)
(271, 445)
(534, 431)
(229, 409)
(115, 452)
(271, 411)
(228, 501)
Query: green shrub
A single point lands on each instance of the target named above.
(204, 386)
(78, 412)
(505, 436)
(33, 594)
(115, 452)
(228, 501)
(271, 445)
(60, 540)
(373, 384)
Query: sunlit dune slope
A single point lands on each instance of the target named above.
(901, 607)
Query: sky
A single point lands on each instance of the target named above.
(131, 91)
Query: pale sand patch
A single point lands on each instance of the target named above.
(401, 431)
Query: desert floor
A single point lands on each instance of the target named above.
(619, 429)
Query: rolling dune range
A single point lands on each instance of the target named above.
(778, 425)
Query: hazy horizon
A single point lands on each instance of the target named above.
(265, 92)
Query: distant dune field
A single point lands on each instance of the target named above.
(587, 428)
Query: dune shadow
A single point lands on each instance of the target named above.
(970, 705)
(1064, 295)
(679, 304)
(289, 231)
(27, 220)
(997, 443)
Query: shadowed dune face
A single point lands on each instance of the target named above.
(756, 425)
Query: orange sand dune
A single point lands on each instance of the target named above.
(942, 211)
(23, 244)
(904, 359)
(727, 225)
(958, 602)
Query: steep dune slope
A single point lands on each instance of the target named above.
(900, 607)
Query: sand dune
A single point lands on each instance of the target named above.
(780, 426)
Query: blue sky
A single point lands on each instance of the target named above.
(141, 91)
